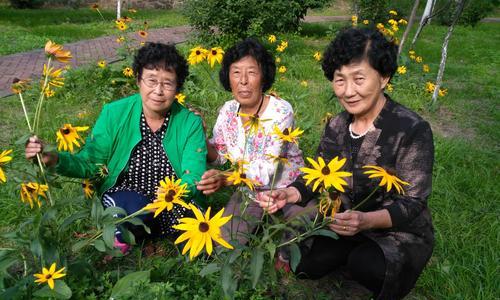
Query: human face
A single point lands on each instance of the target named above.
(157, 101)
(359, 88)
(245, 79)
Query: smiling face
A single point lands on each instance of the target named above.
(245, 78)
(156, 101)
(359, 88)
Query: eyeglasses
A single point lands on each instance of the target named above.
(153, 83)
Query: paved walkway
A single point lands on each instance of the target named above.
(30, 64)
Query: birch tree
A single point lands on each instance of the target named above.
(426, 16)
(410, 25)
(118, 9)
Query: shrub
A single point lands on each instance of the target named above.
(373, 10)
(473, 12)
(27, 3)
(242, 18)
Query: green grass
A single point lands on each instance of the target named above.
(466, 126)
(26, 29)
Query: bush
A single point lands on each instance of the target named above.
(27, 3)
(473, 12)
(237, 19)
(373, 10)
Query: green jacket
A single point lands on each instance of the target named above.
(116, 133)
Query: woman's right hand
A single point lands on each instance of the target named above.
(211, 181)
(34, 146)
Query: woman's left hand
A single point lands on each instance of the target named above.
(349, 222)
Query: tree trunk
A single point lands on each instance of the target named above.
(410, 25)
(444, 52)
(426, 16)
(118, 9)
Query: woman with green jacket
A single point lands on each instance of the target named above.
(141, 140)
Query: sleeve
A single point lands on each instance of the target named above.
(263, 168)
(414, 163)
(95, 152)
(194, 157)
(218, 140)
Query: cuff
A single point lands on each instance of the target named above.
(397, 217)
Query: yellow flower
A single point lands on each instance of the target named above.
(215, 55)
(101, 64)
(393, 12)
(197, 55)
(327, 204)
(380, 26)
(272, 38)
(19, 85)
(366, 22)
(392, 22)
(389, 87)
(317, 56)
(282, 69)
(304, 83)
(278, 60)
(253, 122)
(125, 19)
(326, 118)
(54, 76)
(354, 20)
(201, 231)
(326, 175)
(426, 68)
(56, 51)
(88, 188)
(169, 192)
(394, 28)
(289, 135)
(430, 87)
(402, 70)
(403, 22)
(120, 39)
(411, 52)
(412, 57)
(49, 275)
(4, 158)
(128, 72)
(280, 48)
(132, 11)
(442, 92)
(32, 191)
(418, 59)
(143, 34)
(278, 159)
(94, 6)
(49, 93)
(284, 44)
(238, 177)
(387, 179)
(181, 98)
(68, 135)
(121, 26)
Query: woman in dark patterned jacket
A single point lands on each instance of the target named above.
(387, 241)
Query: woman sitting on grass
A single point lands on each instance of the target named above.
(387, 241)
(141, 140)
(248, 71)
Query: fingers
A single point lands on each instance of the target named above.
(33, 147)
(210, 182)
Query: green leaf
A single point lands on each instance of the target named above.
(126, 284)
(100, 246)
(256, 265)
(127, 236)
(108, 235)
(295, 256)
(79, 245)
(209, 269)
(23, 139)
(326, 232)
(61, 291)
(229, 283)
(114, 210)
(271, 248)
(69, 220)
(139, 222)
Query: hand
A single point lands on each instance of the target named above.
(349, 222)
(34, 146)
(211, 181)
(272, 201)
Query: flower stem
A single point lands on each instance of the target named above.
(366, 199)
(209, 74)
(25, 113)
(36, 122)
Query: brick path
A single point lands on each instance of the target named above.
(30, 64)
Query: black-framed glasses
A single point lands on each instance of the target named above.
(153, 83)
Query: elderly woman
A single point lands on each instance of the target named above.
(386, 243)
(248, 71)
(141, 140)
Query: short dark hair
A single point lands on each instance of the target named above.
(161, 56)
(256, 50)
(354, 45)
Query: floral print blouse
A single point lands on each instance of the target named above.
(230, 137)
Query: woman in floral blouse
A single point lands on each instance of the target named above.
(244, 130)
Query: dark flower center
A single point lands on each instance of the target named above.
(198, 52)
(203, 227)
(286, 131)
(214, 52)
(30, 189)
(243, 175)
(170, 196)
(65, 131)
(48, 276)
(325, 170)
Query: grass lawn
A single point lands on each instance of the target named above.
(466, 125)
(25, 29)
